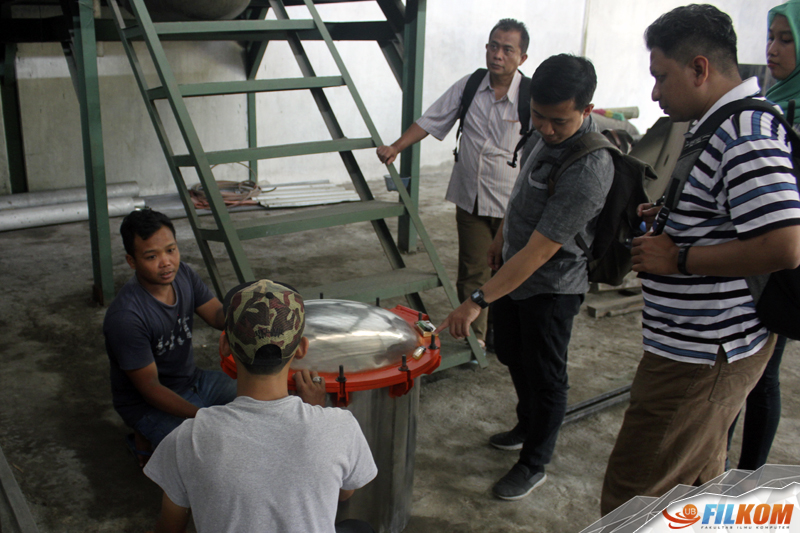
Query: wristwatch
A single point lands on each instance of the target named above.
(477, 297)
(682, 256)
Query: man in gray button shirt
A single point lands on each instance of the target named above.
(481, 180)
(541, 285)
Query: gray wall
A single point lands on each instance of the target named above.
(456, 33)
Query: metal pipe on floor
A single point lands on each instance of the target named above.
(596, 404)
(64, 196)
(46, 215)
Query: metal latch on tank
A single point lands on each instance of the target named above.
(398, 380)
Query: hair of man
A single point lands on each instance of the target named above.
(513, 25)
(695, 30)
(143, 223)
(265, 356)
(564, 77)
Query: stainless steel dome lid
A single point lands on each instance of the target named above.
(359, 336)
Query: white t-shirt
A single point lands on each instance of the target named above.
(263, 466)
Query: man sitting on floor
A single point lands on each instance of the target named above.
(148, 329)
(267, 461)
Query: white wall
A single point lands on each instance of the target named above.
(51, 119)
(456, 33)
(616, 46)
(614, 43)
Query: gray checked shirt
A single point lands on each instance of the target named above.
(489, 135)
(580, 194)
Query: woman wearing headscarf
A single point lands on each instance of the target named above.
(783, 55)
(763, 410)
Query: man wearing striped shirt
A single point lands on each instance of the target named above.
(738, 215)
(481, 181)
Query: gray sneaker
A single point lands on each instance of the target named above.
(518, 483)
(508, 440)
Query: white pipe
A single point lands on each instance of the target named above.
(32, 217)
(64, 196)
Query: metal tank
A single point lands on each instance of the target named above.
(181, 10)
(380, 355)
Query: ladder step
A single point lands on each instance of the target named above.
(250, 86)
(340, 31)
(281, 150)
(223, 30)
(307, 219)
(383, 285)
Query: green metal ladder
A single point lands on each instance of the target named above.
(256, 30)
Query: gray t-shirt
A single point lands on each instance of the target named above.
(579, 196)
(263, 466)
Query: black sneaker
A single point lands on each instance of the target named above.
(518, 482)
(508, 440)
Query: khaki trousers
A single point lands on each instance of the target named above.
(475, 235)
(675, 429)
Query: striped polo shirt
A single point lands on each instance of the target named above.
(488, 138)
(742, 186)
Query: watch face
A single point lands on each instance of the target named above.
(477, 297)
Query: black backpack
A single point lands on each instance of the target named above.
(523, 104)
(609, 258)
(776, 295)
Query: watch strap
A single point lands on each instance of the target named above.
(477, 297)
(682, 257)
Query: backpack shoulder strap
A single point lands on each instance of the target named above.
(524, 104)
(762, 105)
(590, 142)
(695, 145)
(466, 100)
(524, 112)
(587, 144)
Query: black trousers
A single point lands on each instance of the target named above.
(353, 526)
(531, 339)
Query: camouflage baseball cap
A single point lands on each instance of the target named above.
(264, 321)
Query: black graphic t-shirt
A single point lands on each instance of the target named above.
(140, 330)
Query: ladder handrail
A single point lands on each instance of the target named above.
(192, 141)
(163, 138)
(405, 197)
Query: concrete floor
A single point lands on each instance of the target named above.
(64, 441)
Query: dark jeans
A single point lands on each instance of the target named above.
(762, 414)
(531, 339)
(212, 388)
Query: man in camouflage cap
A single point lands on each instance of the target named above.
(264, 325)
(282, 462)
